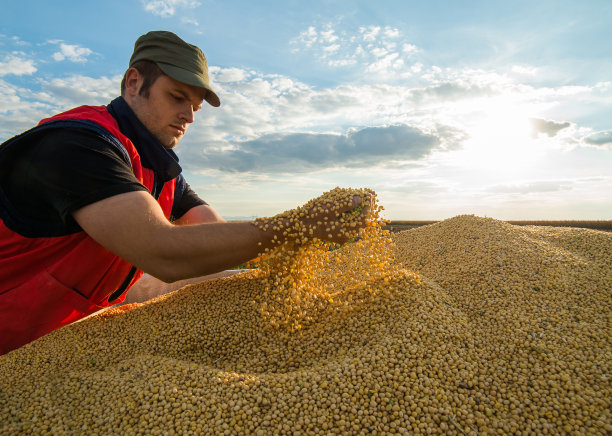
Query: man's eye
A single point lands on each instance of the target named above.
(177, 97)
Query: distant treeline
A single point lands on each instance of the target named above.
(605, 225)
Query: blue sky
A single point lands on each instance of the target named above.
(498, 109)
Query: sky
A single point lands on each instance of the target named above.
(491, 108)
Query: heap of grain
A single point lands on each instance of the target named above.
(478, 327)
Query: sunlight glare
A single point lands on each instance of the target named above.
(500, 139)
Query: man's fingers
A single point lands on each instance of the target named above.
(365, 204)
(336, 216)
(360, 206)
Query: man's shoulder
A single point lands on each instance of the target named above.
(64, 139)
(85, 112)
(72, 143)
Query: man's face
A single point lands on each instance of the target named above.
(169, 108)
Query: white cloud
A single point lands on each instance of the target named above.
(289, 103)
(9, 95)
(18, 41)
(604, 86)
(306, 152)
(369, 33)
(283, 119)
(532, 187)
(416, 68)
(17, 64)
(228, 74)
(308, 37)
(20, 109)
(191, 21)
(341, 62)
(167, 8)
(389, 45)
(548, 127)
(329, 36)
(409, 48)
(391, 33)
(525, 70)
(376, 49)
(330, 49)
(256, 105)
(379, 52)
(385, 65)
(72, 52)
(78, 90)
(600, 139)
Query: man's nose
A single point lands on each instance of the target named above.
(187, 114)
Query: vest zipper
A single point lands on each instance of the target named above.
(155, 193)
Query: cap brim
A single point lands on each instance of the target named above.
(189, 78)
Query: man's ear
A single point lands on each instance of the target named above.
(133, 82)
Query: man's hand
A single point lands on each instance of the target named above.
(335, 216)
(340, 225)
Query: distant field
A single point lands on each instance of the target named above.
(605, 225)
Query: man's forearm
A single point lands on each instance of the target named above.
(133, 227)
(207, 248)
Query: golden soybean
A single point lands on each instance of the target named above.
(467, 326)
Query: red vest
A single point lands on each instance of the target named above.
(48, 282)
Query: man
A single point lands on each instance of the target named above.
(92, 197)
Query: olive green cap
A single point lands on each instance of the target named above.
(176, 58)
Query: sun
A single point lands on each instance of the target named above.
(500, 141)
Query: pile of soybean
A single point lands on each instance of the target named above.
(466, 326)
